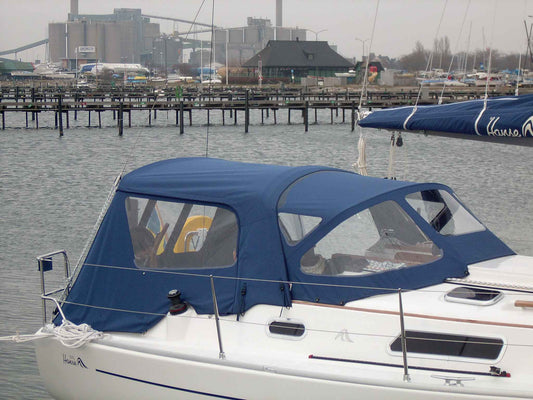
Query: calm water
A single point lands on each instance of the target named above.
(52, 190)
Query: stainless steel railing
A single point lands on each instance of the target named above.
(45, 264)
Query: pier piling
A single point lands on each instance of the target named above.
(246, 111)
(182, 129)
(53, 99)
(121, 119)
(60, 114)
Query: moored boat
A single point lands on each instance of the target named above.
(216, 279)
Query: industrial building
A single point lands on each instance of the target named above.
(122, 37)
(129, 36)
(244, 42)
(8, 67)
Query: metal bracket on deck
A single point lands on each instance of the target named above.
(453, 380)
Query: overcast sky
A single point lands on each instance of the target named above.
(400, 23)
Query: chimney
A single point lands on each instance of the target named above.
(73, 9)
(279, 13)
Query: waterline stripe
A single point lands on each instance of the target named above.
(167, 386)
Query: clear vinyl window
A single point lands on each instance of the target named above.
(443, 212)
(380, 238)
(296, 226)
(181, 235)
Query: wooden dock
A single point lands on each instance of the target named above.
(183, 101)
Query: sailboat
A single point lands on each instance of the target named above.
(210, 278)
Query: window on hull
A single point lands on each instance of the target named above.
(449, 345)
(286, 328)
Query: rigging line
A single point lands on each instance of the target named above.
(130, 155)
(430, 60)
(111, 193)
(194, 20)
(490, 58)
(456, 47)
(211, 53)
(520, 56)
(363, 90)
(486, 97)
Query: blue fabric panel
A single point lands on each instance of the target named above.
(327, 193)
(510, 116)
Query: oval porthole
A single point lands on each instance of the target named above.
(292, 329)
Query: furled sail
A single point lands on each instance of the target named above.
(506, 119)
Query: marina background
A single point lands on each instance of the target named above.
(399, 26)
(52, 190)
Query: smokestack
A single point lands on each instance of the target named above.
(279, 13)
(74, 7)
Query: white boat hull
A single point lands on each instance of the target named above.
(345, 352)
(114, 373)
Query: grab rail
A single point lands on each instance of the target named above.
(45, 264)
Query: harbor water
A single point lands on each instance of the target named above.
(52, 190)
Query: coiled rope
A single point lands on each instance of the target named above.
(69, 334)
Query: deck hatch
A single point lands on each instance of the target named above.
(473, 295)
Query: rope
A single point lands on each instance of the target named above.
(518, 75)
(490, 59)
(363, 90)
(211, 62)
(96, 226)
(69, 334)
(456, 46)
(486, 97)
(430, 60)
(72, 335)
(360, 164)
(18, 338)
(115, 184)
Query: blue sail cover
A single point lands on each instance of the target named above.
(112, 294)
(504, 119)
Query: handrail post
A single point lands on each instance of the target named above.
(406, 376)
(43, 291)
(221, 354)
(43, 268)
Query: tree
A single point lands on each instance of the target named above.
(416, 60)
(442, 56)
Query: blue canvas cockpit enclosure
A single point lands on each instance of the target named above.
(261, 232)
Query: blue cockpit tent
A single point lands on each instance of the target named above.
(112, 293)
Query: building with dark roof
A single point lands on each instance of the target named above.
(297, 59)
(8, 66)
